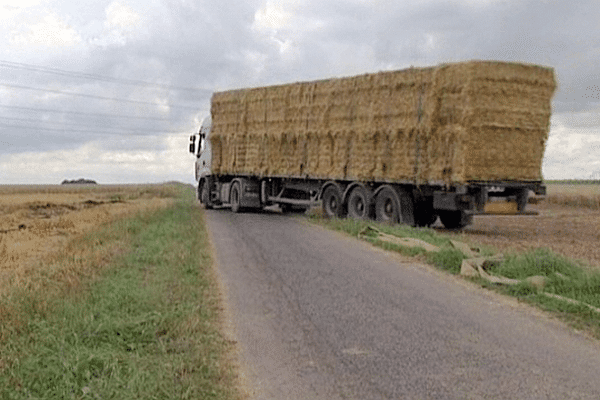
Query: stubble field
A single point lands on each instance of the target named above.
(35, 221)
(38, 221)
(568, 223)
(109, 292)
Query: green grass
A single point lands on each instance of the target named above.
(564, 277)
(143, 327)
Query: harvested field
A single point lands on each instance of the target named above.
(566, 227)
(574, 195)
(37, 222)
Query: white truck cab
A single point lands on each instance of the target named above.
(204, 151)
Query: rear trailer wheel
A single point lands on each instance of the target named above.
(359, 203)
(394, 206)
(332, 202)
(455, 219)
(234, 197)
(387, 206)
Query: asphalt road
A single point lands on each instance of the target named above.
(318, 315)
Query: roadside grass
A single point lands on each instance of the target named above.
(448, 258)
(142, 322)
(573, 282)
(561, 276)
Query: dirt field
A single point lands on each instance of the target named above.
(568, 223)
(38, 221)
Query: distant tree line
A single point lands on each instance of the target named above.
(80, 181)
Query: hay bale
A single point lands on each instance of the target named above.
(452, 123)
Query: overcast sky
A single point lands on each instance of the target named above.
(111, 90)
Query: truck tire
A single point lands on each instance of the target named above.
(455, 220)
(332, 202)
(387, 206)
(234, 197)
(359, 203)
(394, 206)
(205, 196)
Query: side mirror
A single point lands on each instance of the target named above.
(193, 144)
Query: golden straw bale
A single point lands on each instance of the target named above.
(341, 153)
(325, 155)
(312, 154)
(476, 120)
(275, 162)
(217, 159)
(383, 154)
(361, 162)
(252, 161)
(402, 161)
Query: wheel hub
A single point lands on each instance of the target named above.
(388, 207)
(333, 203)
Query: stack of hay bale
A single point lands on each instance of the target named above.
(454, 123)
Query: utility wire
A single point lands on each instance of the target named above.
(92, 96)
(130, 133)
(29, 67)
(72, 74)
(83, 113)
(67, 124)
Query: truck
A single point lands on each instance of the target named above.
(408, 146)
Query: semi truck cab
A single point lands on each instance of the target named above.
(203, 151)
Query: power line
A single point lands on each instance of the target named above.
(55, 71)
(83, 113)
(91, 96)
(129, 133)
(68, 124)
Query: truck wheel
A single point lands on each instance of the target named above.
(394, 206)
(359, 203)
(387, 206)
(234, 197)
(455, 219)
(332, 202)
(205, 196)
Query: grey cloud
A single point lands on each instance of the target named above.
(210, 45)
(188, 47)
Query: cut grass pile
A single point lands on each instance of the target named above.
(562, 277)
(141, 324)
